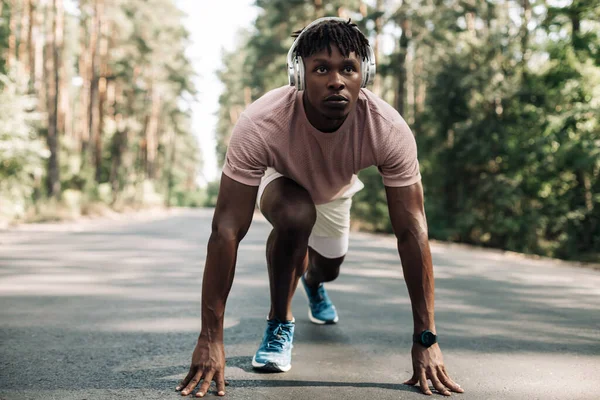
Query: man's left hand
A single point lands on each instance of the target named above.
(428, 363)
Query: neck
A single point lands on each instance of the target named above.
(319, 121)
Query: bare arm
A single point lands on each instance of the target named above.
(407, 215)
(231, 221)
(410, 227)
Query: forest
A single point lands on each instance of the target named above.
(94, 108)
(503, 97)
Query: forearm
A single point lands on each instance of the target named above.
(216, 284)
(413, 247)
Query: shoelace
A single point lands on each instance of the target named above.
(279, 337)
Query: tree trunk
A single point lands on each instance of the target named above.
(420, 82)
(121, 158)
(525, 37)
(12, 38)
(23, 39)
(401, 90)
(52, 62)
(152, 134)
(83, 130)
(171, 161)
(93, 94)
(576, 26)
(31, 44)
(102, 89)
(377, 46)
(119, 146)
(60, 68)
(38, 33)
(587, 225)
(409, 108)
(127, 155)
(65, 114)
(576, 23)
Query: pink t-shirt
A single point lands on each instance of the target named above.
(274, 132)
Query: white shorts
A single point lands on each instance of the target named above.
(331, 232)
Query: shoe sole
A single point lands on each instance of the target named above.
(270, 366)
(320, 321)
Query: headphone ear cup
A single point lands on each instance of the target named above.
(299, 73)
(364, 69)
(372, 67)
(291, 73)
(368, 69)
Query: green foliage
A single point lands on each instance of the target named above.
(369, 206)
(147, 151)
(211, 193)
(504, 110)
(4, 32)
(518, 148)
(22, 153)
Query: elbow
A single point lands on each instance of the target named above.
(414, 229)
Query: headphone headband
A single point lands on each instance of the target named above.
(296, 66)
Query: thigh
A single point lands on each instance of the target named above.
(333, 218)
(331, 232)
(321, 262)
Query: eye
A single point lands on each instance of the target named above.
(349, 69)
(321, 69)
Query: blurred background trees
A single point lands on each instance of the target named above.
(94, 106)
(503, 97)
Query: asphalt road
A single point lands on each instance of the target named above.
(111, 310)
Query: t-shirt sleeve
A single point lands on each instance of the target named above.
(398, 163)
(247, 154)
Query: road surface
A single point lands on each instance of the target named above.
(111, 310)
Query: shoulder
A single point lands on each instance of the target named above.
(275, 102)
(380, 115)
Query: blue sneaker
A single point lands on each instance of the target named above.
(320, 309)
(275, 351)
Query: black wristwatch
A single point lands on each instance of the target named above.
(425, 338)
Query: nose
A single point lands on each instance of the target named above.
(336, 82)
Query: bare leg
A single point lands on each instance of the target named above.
(322, 269)
(291, 211)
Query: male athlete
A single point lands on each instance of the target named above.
(296, 152)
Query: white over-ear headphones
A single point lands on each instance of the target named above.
(295, 64)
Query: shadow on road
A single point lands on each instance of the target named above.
(119, 309)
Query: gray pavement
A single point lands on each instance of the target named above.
(111, 310)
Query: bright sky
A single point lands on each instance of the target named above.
(211, 31)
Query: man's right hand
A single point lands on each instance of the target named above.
(208, 363)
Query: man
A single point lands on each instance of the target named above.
(296, 152)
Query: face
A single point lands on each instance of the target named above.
(332, 86)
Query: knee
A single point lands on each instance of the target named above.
(294, 218)
(328, 269)
(294, 212)
(330, 272)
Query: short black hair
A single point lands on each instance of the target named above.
(344, 34)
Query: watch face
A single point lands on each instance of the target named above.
(428, 338)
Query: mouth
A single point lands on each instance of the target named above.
(336, 100)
